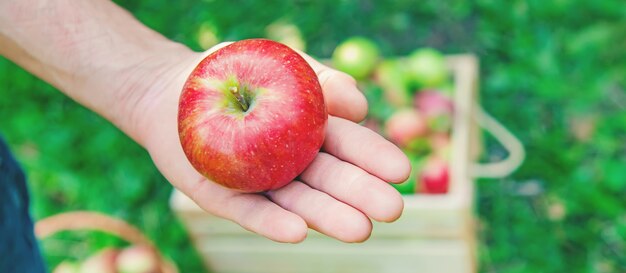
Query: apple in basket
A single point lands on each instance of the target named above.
(101, 262)
(66, 267)
(137, 259)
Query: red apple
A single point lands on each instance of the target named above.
(404, 126)
(437, 108)
(252, 116)
(101, 262)
(137, 259)
(434, 176)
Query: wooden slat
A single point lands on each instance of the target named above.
(239, 255)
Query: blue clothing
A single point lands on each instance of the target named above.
(19, 251)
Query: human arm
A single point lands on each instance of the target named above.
(98, 54)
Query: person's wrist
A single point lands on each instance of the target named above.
(147, 85)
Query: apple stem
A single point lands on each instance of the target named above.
(242, 101)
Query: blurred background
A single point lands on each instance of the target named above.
(553, 72)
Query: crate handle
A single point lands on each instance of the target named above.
(511, 143)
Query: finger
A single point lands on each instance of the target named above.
(366, 149)
(355, 187)
(253, 212)
(341, 95)
(323, 213)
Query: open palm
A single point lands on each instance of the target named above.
(338, 193)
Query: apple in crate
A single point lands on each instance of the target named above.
(404, 126)
(427, 68)
(440, 144)
(434, 176)
(356, 56)
(437, 108)
(392, 77)
(252, 116)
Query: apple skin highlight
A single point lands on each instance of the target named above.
(270, 143)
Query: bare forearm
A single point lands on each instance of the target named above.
(93, 51)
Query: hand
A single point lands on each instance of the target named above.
(337, 194)
(131, 75)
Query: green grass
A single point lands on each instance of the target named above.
(544, 65)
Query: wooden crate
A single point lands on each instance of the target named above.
(435, 233)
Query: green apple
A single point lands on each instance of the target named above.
(207, 35)
(392, 76)
(419, 146)
(356, 56)
(427, 68)
(286, 33)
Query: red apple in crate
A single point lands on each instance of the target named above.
(437, 108)
(405, 125)
(101, 262)
(252, 116)
(434, 177)
(137, 259)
